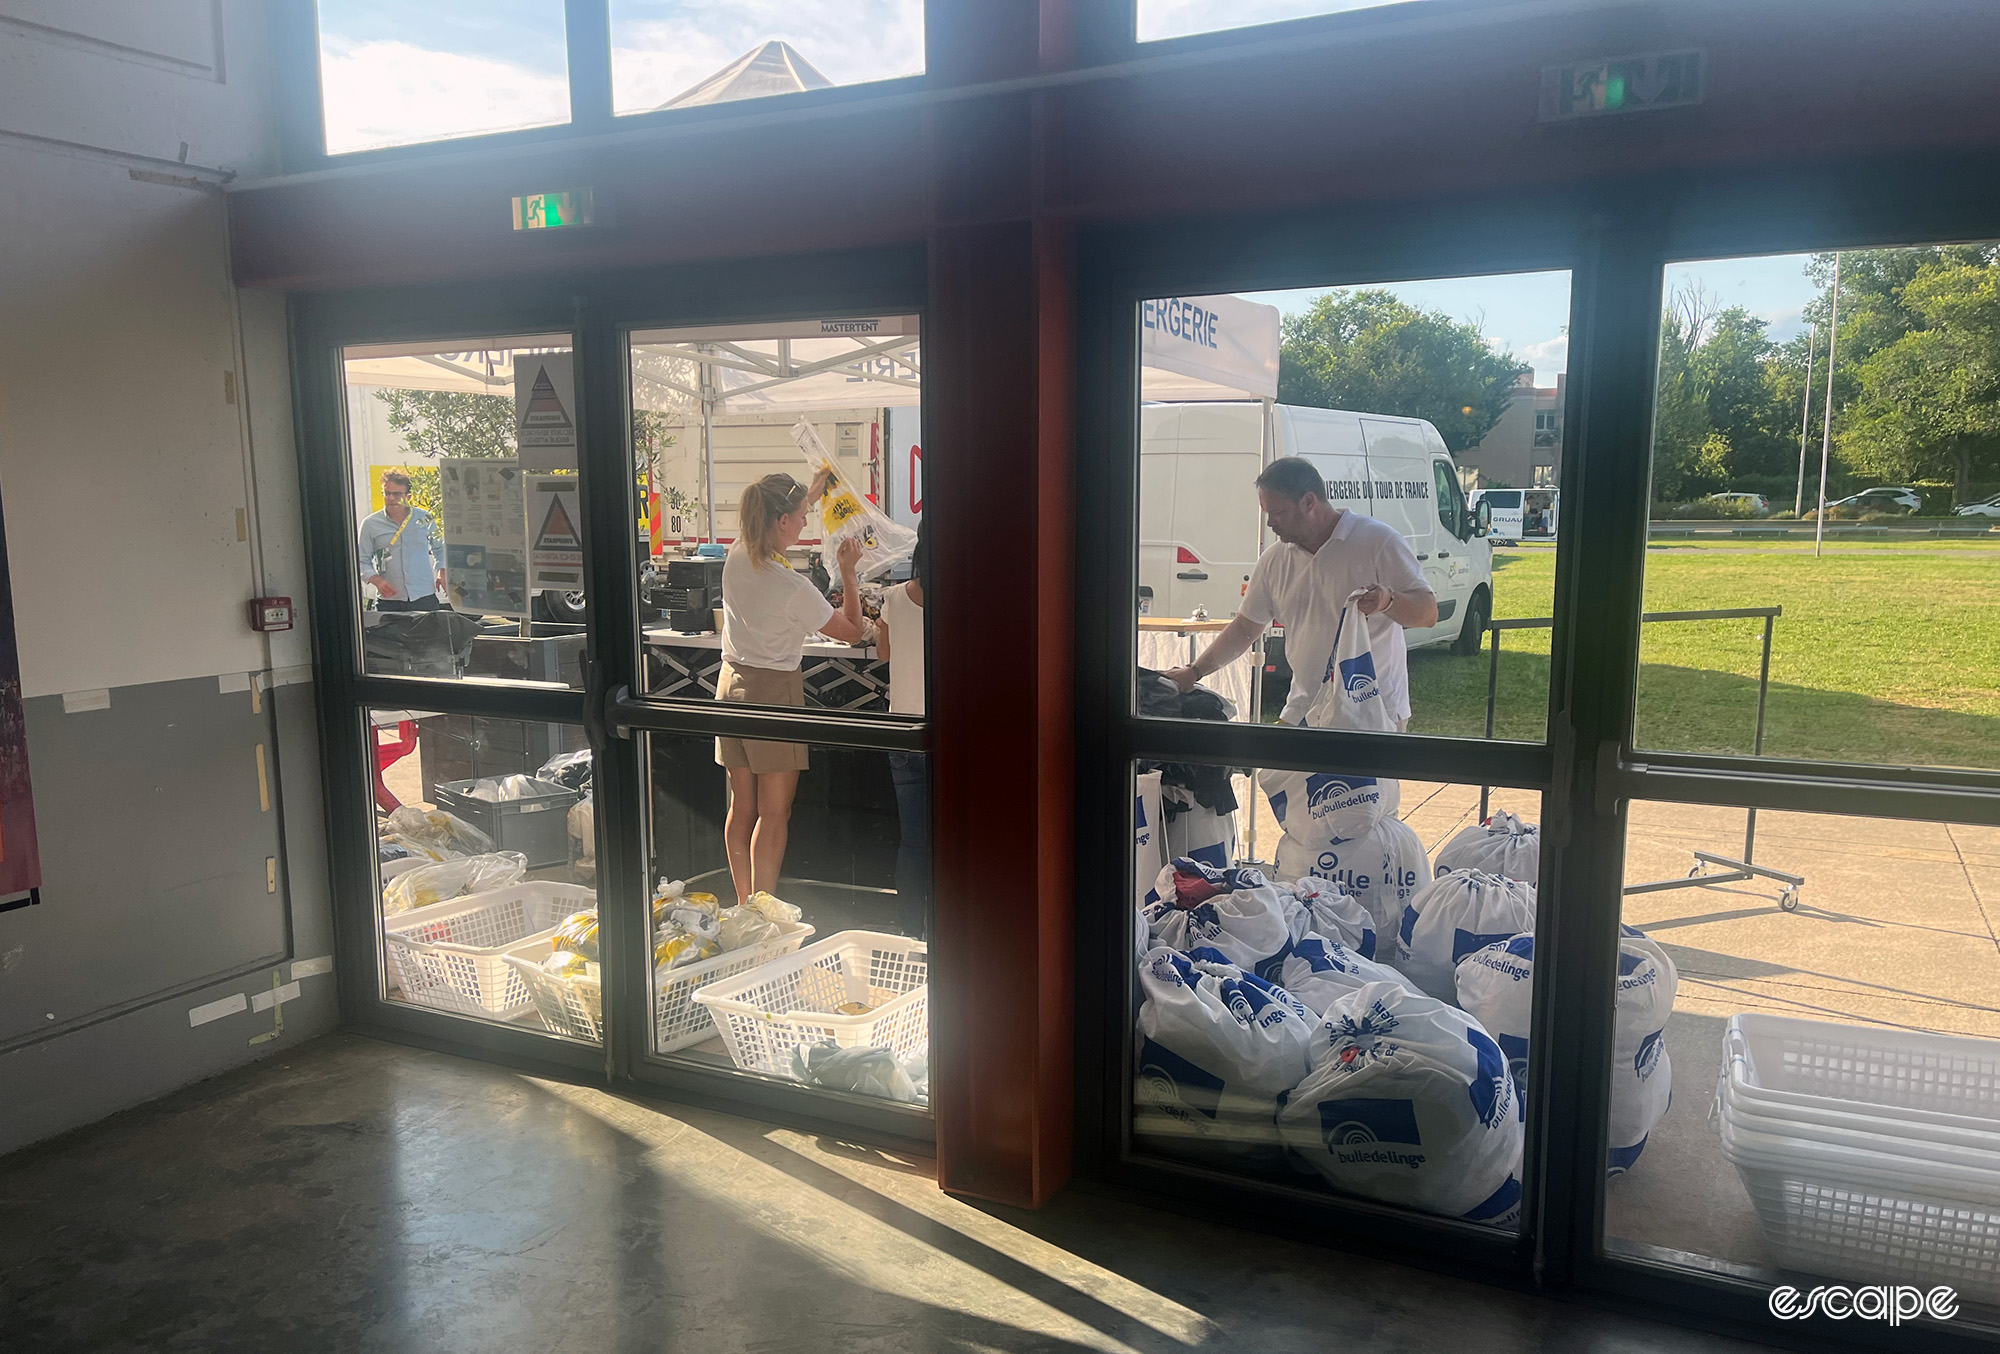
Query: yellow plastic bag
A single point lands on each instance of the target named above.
(843, 512)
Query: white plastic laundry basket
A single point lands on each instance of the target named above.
(1868, 1153)
(765, 1014)
(449, 955)
(571, 1005)
(678, 1019)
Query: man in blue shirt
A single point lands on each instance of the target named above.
(402, 551)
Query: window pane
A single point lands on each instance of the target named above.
(1884, 624)
(1847, 1004)
(792, 897)
(690, 53)
(1179, 18)
(488, 854)
(1264, 988)
(394, 74)
(760, 410)
(469, 553)
(1378, 419)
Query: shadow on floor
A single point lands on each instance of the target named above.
(354, 1195)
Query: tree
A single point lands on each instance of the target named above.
(1367, 350)
(1929, 402)
(437, 423)
(1682, 455)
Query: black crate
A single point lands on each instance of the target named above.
(686, 599)
(536, 826)
(694, 573)
(697, 622)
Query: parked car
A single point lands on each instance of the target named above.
(1888, 498)
(1757, 503)
(1985, 507)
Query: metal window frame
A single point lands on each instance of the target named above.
(598, 309)
(1616, 239)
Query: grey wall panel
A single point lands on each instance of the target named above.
(154, 842)
(154, 849)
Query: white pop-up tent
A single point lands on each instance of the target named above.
(786, 367)
(1208, 348)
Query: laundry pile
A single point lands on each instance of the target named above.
(1365, 1015)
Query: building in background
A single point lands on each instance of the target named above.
(1524, 449)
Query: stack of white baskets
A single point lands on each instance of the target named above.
(1870, 1154)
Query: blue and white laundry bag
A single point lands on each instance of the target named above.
(1496, 986)
(1319, 810)
(1409, 1101)
(1323, 907)
(1505, 844)
(1455, 915)
(1406, 867)
(1148, 838)
(1320, 971)
(1215, 1047)
(1236, 912)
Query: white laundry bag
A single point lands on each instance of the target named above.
(1216, 1047)
(1199, 833)
(1147, 840)
(1322, 907)
(1505, 844)
(1454, 915)
(1496, 986)
(1350, 696)
(1406, 867)
(1409, 1102)
(1318, 971)
(1236, 912)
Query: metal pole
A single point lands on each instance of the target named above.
(1757, 747)
(1805, 422)
(1492, 693)
(708, 440)
(1826, 426)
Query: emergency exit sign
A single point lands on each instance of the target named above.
(553, 211)
(1624, 84)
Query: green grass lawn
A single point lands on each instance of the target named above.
(1881, 656)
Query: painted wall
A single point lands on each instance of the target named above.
(149, 489)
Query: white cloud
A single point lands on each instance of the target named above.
(1550, 357)
(661, 49)
(392, 93)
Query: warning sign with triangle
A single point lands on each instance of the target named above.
(544, 410)
(558, 532)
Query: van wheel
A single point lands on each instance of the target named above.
(1472, 633)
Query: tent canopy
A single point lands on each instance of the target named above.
(1208, 348)
(789, 367)
(771, 68)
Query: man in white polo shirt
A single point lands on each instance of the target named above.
(1323, 556)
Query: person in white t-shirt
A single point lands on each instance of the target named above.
(768, 613)
(1323, 555)
(899, 637)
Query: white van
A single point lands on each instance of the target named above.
(1200, 529)
(1520, 514)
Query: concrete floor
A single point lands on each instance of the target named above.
(356, 1195)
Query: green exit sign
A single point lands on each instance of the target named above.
(1624, 84)
(553, 211)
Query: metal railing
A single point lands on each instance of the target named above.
(1731, 868)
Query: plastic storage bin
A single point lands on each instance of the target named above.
(678, 1019)
(572, 1006)
(765, 1014)
(451, 955)
(1869, 1154)
(536, 825)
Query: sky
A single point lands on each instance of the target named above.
(1178, 18)
(399, 71)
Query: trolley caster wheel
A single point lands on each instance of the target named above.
(1694, 871)
(1788, 901)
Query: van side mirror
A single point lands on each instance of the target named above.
(1482, 519)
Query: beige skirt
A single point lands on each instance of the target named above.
(760, 686)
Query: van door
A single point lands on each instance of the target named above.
(1215, 524)
(1507, 513)
(1159, 443)
(1399, 469)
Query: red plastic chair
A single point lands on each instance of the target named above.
(387, 755)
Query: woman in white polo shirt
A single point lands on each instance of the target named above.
(900, 639)
(768, 612)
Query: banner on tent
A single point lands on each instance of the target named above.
(1208, 348)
